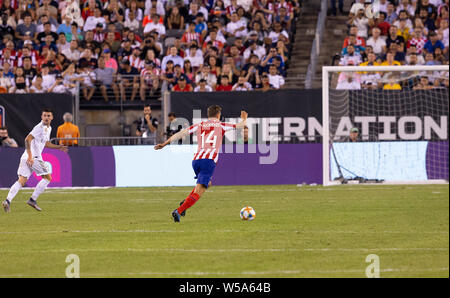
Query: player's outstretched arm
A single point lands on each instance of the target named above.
(174, 138)
(243, 123)
(28, 140)
(59, 147)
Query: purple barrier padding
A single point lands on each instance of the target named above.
(297, 163)
(437, 160)
(104, 166)
(61, 169)
(9, 162)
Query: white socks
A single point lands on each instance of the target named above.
(13, 191)
(40, 187)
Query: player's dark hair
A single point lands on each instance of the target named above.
(47, 110)
(214, 110)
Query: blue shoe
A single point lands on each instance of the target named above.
(33, 204)
(184, 212)
(176, 216)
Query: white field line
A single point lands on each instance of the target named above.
(222, 231)
(286, 272)
(71, 190)
(212, 273)
(232, 250)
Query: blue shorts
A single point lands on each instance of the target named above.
(204, 169)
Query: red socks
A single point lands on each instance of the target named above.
(190, 200)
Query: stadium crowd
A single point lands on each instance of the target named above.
(137, 48)
(404, 32)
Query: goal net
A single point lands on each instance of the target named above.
(385, 124)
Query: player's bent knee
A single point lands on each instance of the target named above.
(23, 180)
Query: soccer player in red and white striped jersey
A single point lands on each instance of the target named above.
(209, 135)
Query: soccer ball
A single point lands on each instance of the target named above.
(248, 213)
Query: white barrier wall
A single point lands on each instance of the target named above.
(144, 166)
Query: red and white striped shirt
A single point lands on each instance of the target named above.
(136, 62)
(209, 137)
(188, 37)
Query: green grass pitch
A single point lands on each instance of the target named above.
(309, 231)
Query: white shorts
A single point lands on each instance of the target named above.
(40, 167)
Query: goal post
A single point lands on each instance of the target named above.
(399, 116)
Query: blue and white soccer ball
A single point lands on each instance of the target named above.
(248, 213)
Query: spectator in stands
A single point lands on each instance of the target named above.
(254, 49)
(173, 56)
(20, 86)
(29, 70)
(26, 30)
(105, 77)
(149, 79)
(417, 39)
(412, 59)
(203, 87)
(88, 79)
(206, 74)
(224, 84)
(69, 131)
(390, 61)
(94, 20)
(354, 135)
(170, 129)
(128, 78)
(430, 59)
(349, 81)
(362, 22)
(371, 80)
(242, 85)
(377, 42)
(353, 31)
(433, 43)
(5, 82)
(265, 84)
(381, 24)
(333, 7)
(357, 48)
(72, 52)
(5, 140)
(276, 80)
(392, 83)
(424, 84)
(391, 15)
(147, 127)
(398, 56)
(356, 7)
(87, 58)
(110, 62)
(188, 71)
(236, 27)
(156, 26)
(36, 86)
(59, 86)
(350, 56)
(278, 30)
(175, 20)
(132, 22)
(371, 60)
(182, 85)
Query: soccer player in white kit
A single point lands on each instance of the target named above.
(31, 161)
